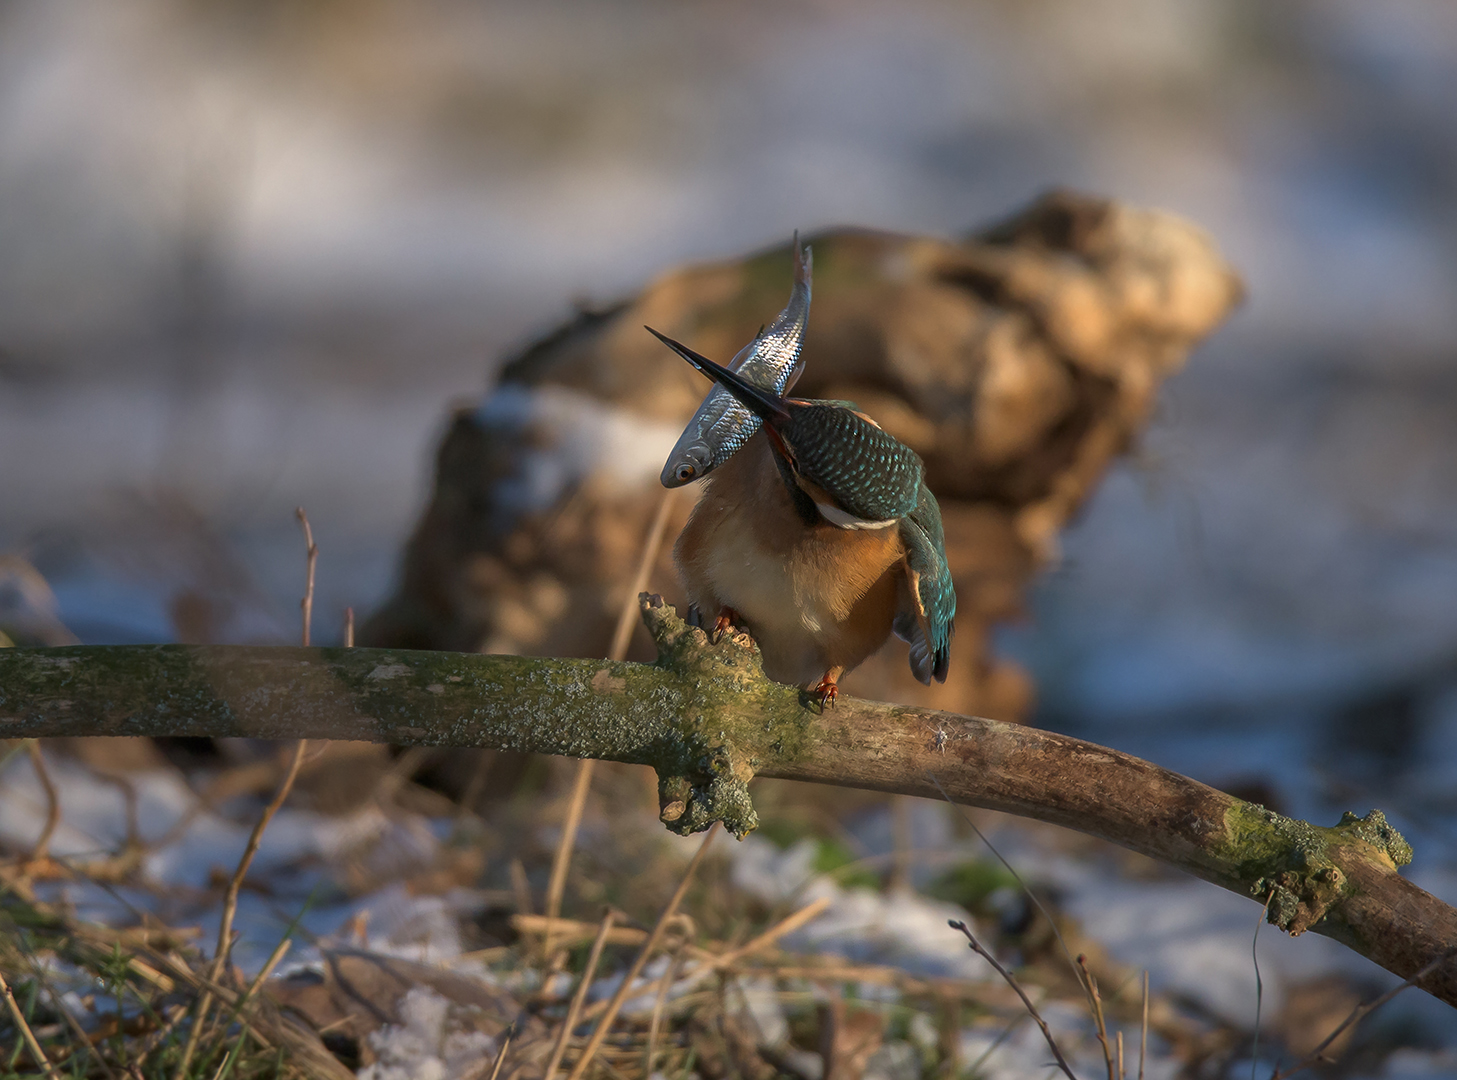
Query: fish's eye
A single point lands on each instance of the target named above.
(686, 471)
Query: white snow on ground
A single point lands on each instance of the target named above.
(424, 1047)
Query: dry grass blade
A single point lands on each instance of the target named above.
(59, 1003)
(1011, 981)
(574, 1009)
(562, 859)
(274, 959)
(1316, 1056)
(25, 1033)
(42, 848)
(628, 618)
(599, 1033)
(726, 961)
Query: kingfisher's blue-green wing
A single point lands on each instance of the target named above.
(926, 620)
(869, 474)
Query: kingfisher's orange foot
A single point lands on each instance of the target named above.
(826, 690)
(727, 619)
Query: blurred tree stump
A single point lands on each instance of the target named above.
(1018, 362)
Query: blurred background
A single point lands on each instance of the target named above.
(251, 252)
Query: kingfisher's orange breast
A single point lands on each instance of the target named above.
(814, 597)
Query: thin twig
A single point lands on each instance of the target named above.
(588, 973)
(976, 947)
(307, 603)
(255, 838)
(599, 1033)
(39, 853)
(1143, 1029)
(349, 628)
(1360, 1012)
(25, 1032)
(1026, 889)
(1121, 1073)
(230, 904)
(1259, 982)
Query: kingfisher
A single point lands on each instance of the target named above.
(819, 537)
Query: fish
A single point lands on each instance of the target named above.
(771, 361)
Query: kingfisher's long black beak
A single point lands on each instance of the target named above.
(765, 404)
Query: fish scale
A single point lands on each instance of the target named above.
(722, 425)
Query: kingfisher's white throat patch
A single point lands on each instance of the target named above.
(835, 516)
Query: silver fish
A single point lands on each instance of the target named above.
(772, 360)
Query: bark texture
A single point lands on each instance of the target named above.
(708, 720)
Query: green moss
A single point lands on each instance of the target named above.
(1287, 862)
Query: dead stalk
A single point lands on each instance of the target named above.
(980, 950)
(255, 838)
(599, 1033)
(621, 635)
(562, 859)
(574, 1009)
(25, 1033)
(1095, 1006)
(349, 628)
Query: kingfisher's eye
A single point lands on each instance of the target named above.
(685, 472)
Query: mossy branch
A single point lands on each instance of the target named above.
(705, 717)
